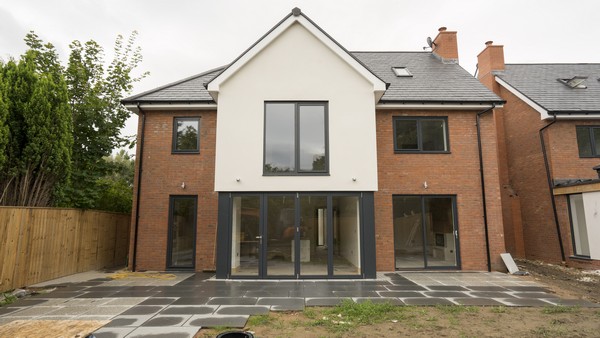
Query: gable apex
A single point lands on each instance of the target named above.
(296, 16)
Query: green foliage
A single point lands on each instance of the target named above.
(37, 153)
(116, 188)
(7, 298)
(548, 310)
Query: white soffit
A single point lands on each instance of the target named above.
(379, 86)
(543, 112)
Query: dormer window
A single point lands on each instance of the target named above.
(576, 82)
(401, 72)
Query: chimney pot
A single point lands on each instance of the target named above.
(489, 43)
(442, 29)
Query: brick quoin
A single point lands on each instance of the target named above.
(163, 174)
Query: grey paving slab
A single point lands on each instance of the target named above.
(113, 332)
(534, 295)
(281, 301)
(97, 294)
(85, 301)
(26, 302)
(135, 294)
(94, 317)
(8, 310)
(526, 302)
(173, 320)
(163, 332)
(125, 301)
(445, 294)
(447, 288)
(143, 310)
(427, 301)
(58, 294)
(107, 310)
(471, 301)
(69, 311)
(327, 301)
(401, 294)
(242, 310)
(380, 300)
(33, 311)
(274, 293)
(213, 321)
(191, 301)
(311, 293)
(6, 320)
(232, 301)
(413, 287)
(191, 310)
(122, 321)
(487, 288)
(527, 288)
(355, 294)
(490, 294)
(158, 301)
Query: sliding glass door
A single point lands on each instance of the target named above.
(182, 232)
(425, 232)
(296, 235)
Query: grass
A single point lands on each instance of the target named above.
(549, 310)
(259, 320)
(7, 298)
(455, 309)
(499, 309)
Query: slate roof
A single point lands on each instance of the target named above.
(539, 82)
(432, 82)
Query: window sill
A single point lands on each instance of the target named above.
(185, 152)
(581, 258)
(294, 174)
(421, 152)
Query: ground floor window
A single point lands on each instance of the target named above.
(295, 235)
(579, 231)
(425, 232)
(182, 232)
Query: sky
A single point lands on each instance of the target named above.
(180, 38)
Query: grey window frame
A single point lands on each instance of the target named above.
(174, 149)
(297, 171)
(590, 130)
(420, 150)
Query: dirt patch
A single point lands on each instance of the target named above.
(565, 282)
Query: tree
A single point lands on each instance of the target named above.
(38, 144)
(117, 187)
(98, 116)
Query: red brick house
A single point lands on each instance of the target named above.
(549, 144)
(300, 159)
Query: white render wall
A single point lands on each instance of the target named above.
(591, 205)
(296, 66)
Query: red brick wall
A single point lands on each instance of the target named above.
(527, 176)
(456, 173)
(162, 176)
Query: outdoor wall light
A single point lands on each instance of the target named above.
(237, 179)
(425, 186)
(182, 185)
(353, 179)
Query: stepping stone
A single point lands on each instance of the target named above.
(413, 287)
(166, 321)
(534, 295)
(112, 332)
(446, 294)
(328, 301)
(380, 300)
(527, 302)
(143, 310)
(447, 288)
(283, 304)
(470, 301)
(213, 321)
(490, 294)
(401, 294)
(190, 301)
(164, 332)
(527, 288)
(135, 294)
(160, 301)
(427, 301)
(188, 310)
(125, 321)
(243, 310)
(97, 294)
(355, 294)
(232, 301)
(487, 288)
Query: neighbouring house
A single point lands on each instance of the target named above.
(300, 159)
(549, 146)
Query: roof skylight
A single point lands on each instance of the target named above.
(576, 82)
(401, 72)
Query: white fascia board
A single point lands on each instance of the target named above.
(426, 106)
(177, 106)
(379, 86)
(543, 112)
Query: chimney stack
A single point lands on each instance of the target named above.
(446, 46)
(491, 59)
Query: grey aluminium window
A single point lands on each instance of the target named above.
(588, 141)
(421, 134)
(296, 138)
(186, 135)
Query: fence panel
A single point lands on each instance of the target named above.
(39, 244)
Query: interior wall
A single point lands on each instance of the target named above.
(235, 232)
(350, 229)
(591, 204)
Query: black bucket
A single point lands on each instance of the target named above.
(235, 334)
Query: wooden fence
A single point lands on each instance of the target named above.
(39, 244)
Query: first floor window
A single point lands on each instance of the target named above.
(186, 135)
(295, 138)
(588, 141)
(581, 246)
(420, 134)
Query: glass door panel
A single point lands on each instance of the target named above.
(245, 247)
(346, 235)
(182, 232)
(408, 232)
(439, 219)
(314, 230)
(280, 235)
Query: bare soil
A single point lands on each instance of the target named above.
(453, 321)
